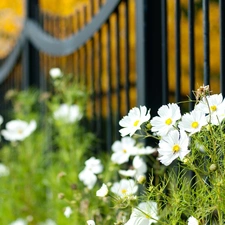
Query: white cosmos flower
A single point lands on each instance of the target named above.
(90, 222)
(172, 146)
(88, 178)
(124, 187)
(4, 170)
(133, 121)
(18, 130)
(19, 222)
(215, 104)
(123, 149)
(94, 165)
(144, 214)
(87, 175)
(192, 221)
(68, 113)
(193, 122)
(68, 211)
(168, 115)
(55, 73)
(103, 191)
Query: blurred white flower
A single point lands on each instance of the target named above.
(4, 171)
(124, 187)
(19, 222)
(192, 221)
(88, 178)
(127, 173)
(144, 150)
(91, 222)
(68, 113)
(172, 146)
(55, 73)
(67, 212)
(18, 130)
(193, 122)
(133, 121)
(168, 115)
(94, 165)
(123, 149)
(48, 222)
(144, 214)
(140, 166)
(1, 120)
(87, 175)
(103, 191)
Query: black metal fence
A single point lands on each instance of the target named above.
(121, 50)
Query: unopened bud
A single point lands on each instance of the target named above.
(141, 179)
(148, 126)
(61, 174)
(212, 167)
(186, 160)
(61, 195)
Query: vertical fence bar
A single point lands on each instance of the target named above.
(127, 72)
(99, 80)
(25, 60)
(205, 7)
(78, 61)
(93, 97)
(85, 48)
(177, 46)
(118, 73)
(149, 55)
(191, 13)
(33, 53)
(222, 46)
(164, 52)
(109, 91)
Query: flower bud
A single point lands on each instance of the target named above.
(213, 167)
(61, 195)
(61, 174)
(148, 126)
(141, 179)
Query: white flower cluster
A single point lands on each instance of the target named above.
(173, 129)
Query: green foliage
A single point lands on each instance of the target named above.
(44, 167)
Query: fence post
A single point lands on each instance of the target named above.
(149, 54)
(31, 57)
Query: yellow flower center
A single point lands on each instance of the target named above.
(168, 121)
(136, 123)
(20, 131)
(176, 148)
(124, 191)
(213, 108)
(124, 151)
(194, 124)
